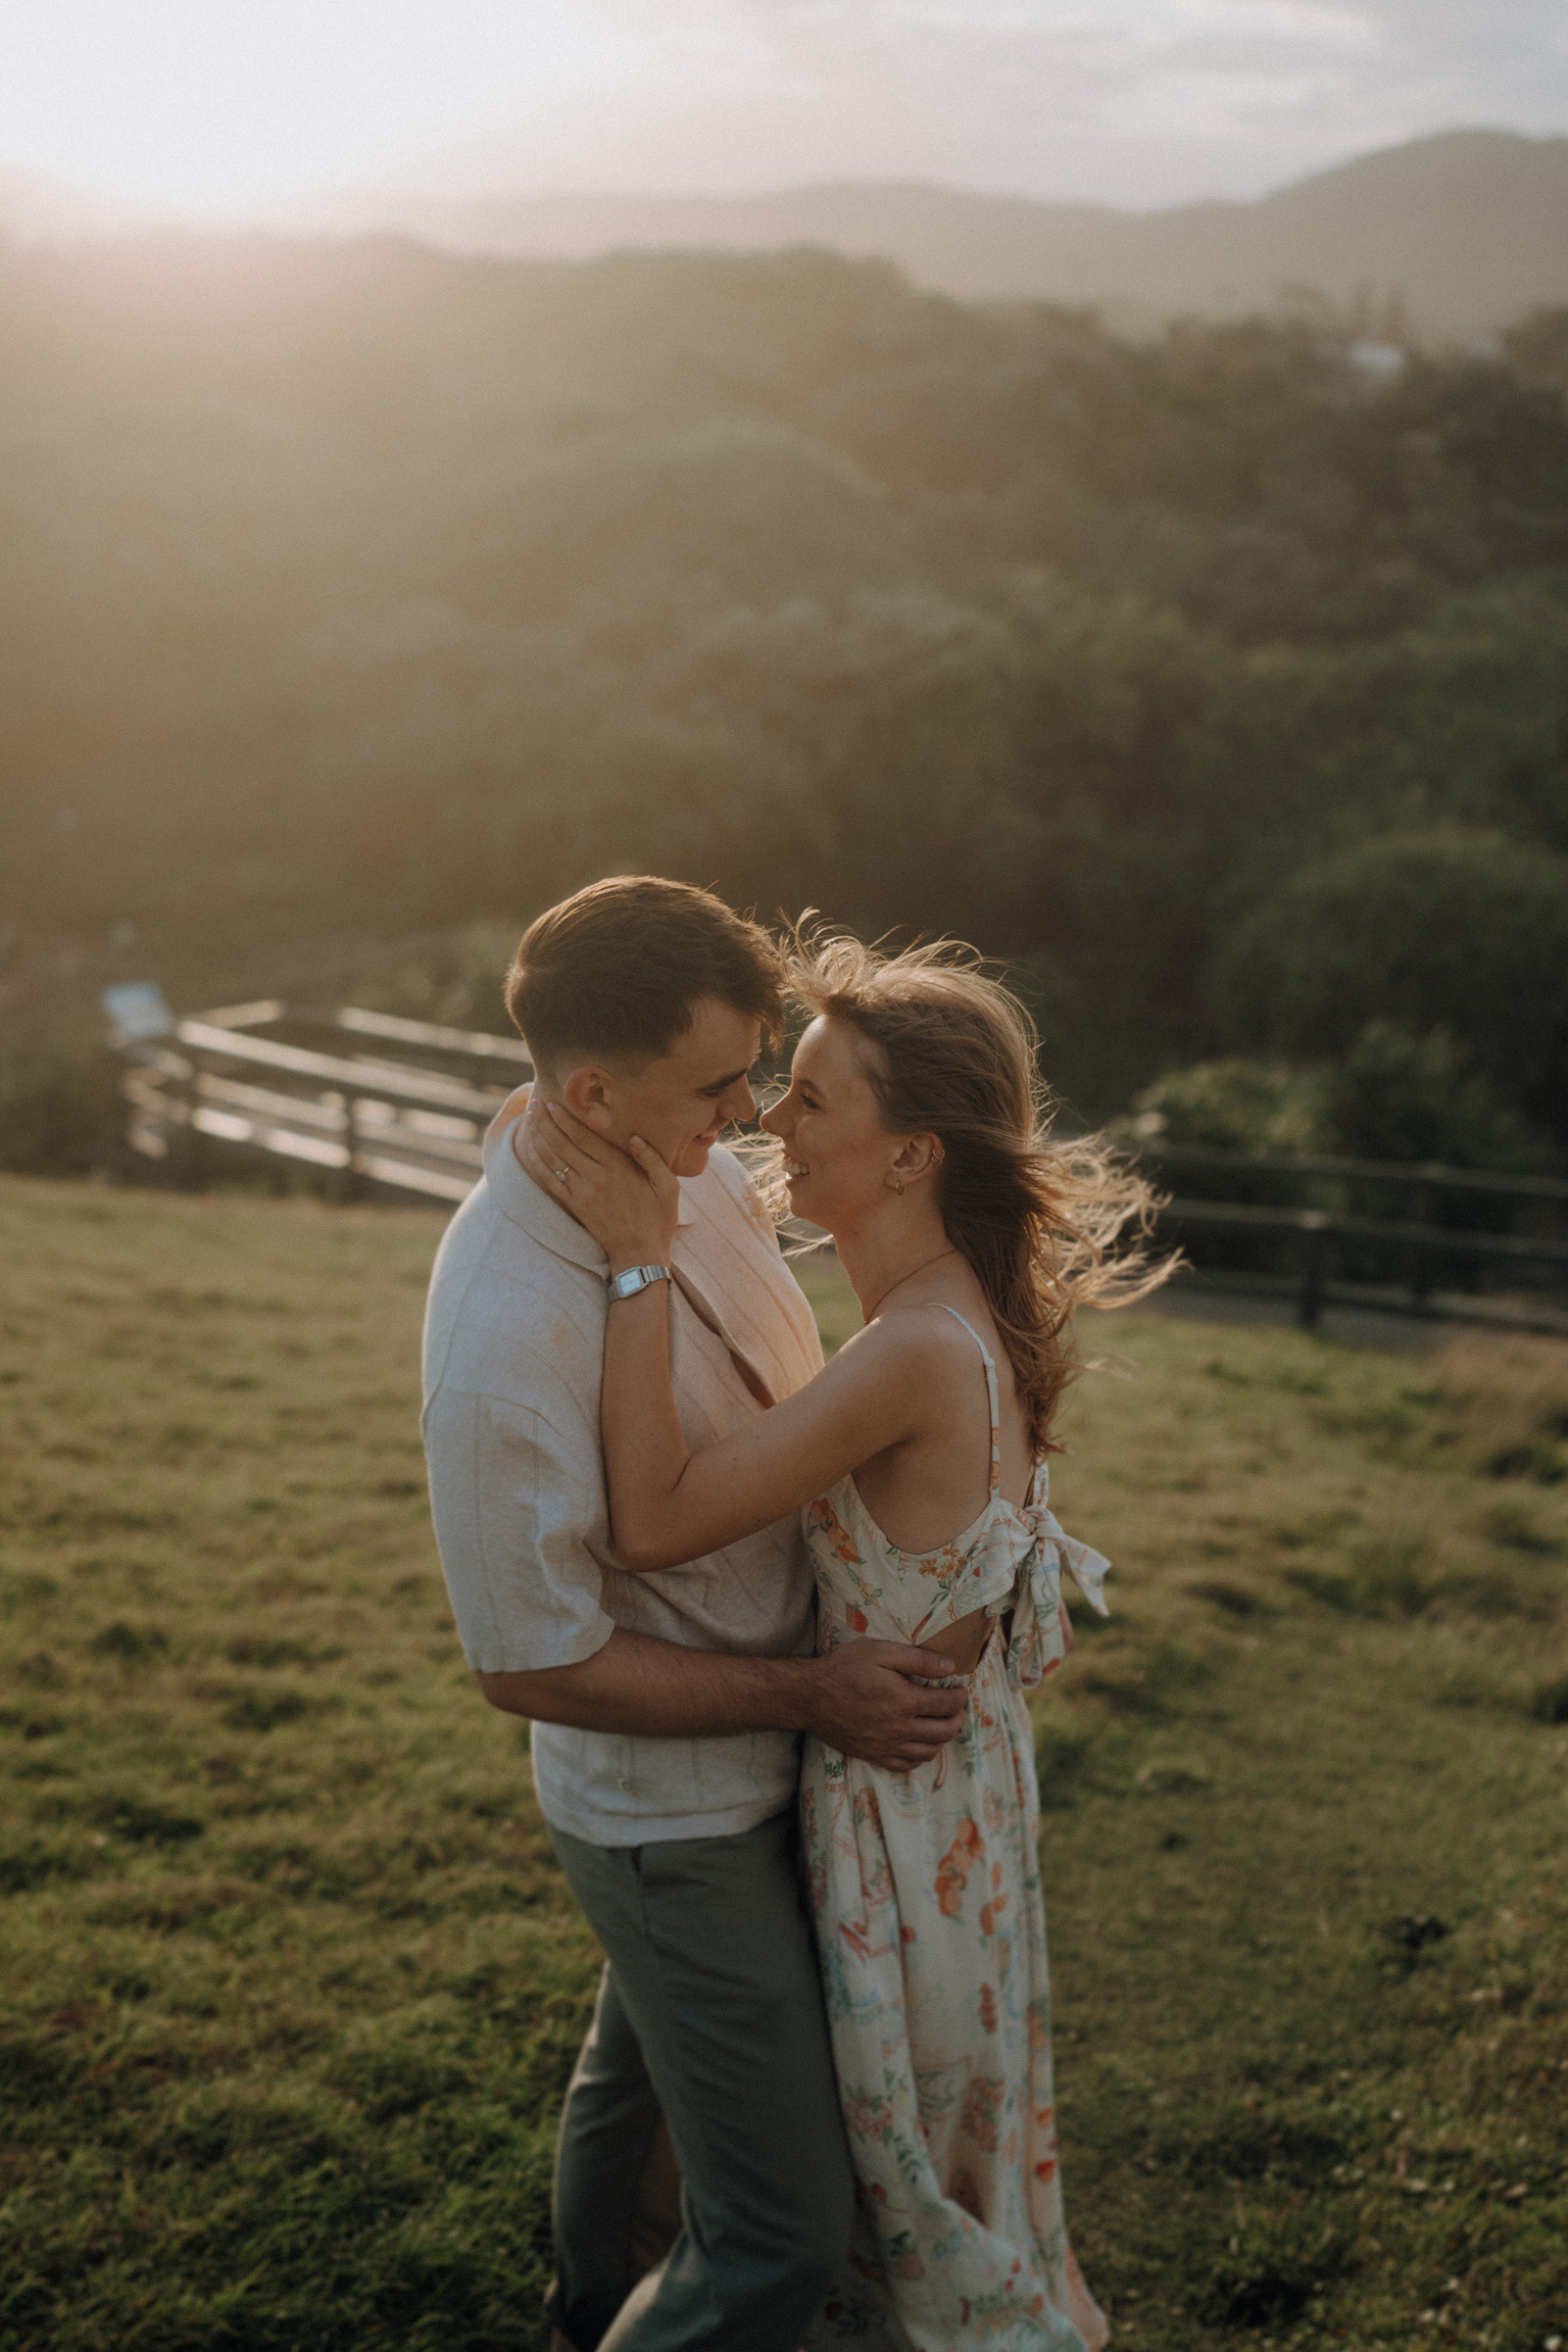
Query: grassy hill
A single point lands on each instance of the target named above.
(1460, 233)
(291, 1985)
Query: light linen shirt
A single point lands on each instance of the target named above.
(514, 1349)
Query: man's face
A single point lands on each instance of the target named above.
(682, 1103)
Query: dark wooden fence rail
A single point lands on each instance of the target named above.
(1408, 1257)
(1429, 1180)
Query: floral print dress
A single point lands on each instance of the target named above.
(925, 1890)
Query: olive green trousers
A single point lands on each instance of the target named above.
(711, 2016)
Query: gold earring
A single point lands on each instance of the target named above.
(896, 1186)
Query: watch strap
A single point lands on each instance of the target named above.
(635, 1279)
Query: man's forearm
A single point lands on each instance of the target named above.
(658, 1690)
(872, 1699)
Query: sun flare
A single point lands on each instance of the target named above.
(219, 109)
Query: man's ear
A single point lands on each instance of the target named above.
(587, 1093)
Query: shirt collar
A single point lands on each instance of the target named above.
(544, 1220)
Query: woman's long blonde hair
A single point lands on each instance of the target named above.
(1049, 1227)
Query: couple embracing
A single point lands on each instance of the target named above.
(677, 1543)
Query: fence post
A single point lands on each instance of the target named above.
(351, 1185)
(187, 1145)
(1313, 1229)
(120, 1158)
(1421, 1259)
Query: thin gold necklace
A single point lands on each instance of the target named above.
(933, 1259)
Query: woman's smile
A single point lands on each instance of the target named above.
(828, 1093)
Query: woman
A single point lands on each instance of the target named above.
(912, 1130)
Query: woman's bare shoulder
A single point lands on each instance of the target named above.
(925, 1335)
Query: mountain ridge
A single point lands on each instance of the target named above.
(1447, 238)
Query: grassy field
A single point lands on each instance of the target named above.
(291, 1985)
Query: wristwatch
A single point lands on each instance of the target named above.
(635, 1279)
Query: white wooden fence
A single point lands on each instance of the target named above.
(377, 1100)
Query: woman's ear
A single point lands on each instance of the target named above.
(917, 1156)
(587, 1093)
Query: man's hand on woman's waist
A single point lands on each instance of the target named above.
(865, 1704)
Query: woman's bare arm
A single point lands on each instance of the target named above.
(668, 1505)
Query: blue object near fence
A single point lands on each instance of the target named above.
(137, 1010)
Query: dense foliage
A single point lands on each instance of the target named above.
(354, 595)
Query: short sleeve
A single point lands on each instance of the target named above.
(513, 1509)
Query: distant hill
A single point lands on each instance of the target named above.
(1462, 233)
(38, 210)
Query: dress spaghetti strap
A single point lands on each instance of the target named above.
(990, 1391)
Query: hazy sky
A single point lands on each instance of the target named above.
(224, 107)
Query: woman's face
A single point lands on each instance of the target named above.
(837, 1153)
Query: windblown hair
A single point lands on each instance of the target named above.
(1049, 1227)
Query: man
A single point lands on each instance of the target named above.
(666, 1707)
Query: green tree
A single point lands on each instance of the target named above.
(1396, 1095)
(1459, 930)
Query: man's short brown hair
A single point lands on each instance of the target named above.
(616, 970)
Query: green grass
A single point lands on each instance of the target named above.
(291, 1985)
